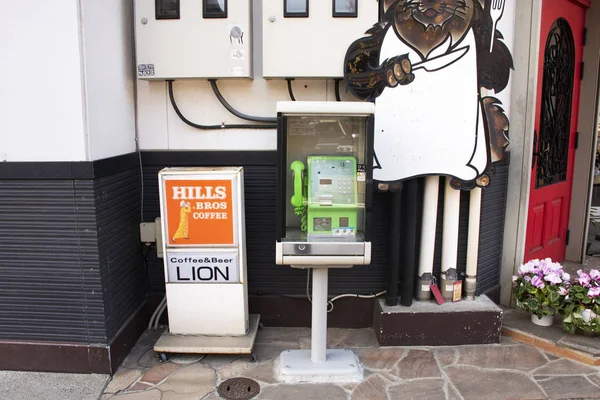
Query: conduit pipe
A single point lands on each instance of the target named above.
(473, 243)
(430, 207)
(450, 240)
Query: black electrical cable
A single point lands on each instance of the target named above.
(337, 90)
(213, 84)
(290, 91)
(222, 126)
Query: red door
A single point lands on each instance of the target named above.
(561, 51)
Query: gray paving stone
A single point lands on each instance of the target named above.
(262, 371)
(153, 394)
(195, 378)
(564, 367)
(159, 372)
(583, 343)
(418, 364)
(569, 387)
(217, 361)
(381, 358)
(302, 392)
(122, 380)
(374, 388)
(452, 393)
(139, 386)
(430, 389)
(595, 378)
(522, 357)
(212, 396)
(266, 352)
(446, 356)
(474, 383)
(551, 356)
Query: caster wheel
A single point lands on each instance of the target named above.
(163, 357)
(252, 358)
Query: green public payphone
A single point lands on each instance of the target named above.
(330, 205)
(324, 190)
(324, 179)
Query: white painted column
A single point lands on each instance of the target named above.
(450, 232)
(319, 315)
(473, 243)
(450, 239)
(430, 206)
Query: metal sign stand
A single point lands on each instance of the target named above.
(202, 344)
(319, 364)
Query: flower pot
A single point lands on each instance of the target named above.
(546, 320)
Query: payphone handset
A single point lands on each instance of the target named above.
(326, 198)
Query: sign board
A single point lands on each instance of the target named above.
(199, 212)
(203, 267)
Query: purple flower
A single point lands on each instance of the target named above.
(594, 292)
(562, 291)
(595, 274)
(527, 278)
(566, 277)
(538, 282)
(553, 278)
(584, 279)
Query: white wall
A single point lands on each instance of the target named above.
(161, 129)
(41, 114)
(109, 84)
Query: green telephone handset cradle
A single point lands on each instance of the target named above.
(299, 193)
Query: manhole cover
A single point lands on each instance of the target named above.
(239, 389)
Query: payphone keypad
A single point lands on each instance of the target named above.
(332, 180)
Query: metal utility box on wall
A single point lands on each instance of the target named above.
(193, 39)
(312, 43)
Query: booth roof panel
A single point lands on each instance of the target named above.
(326, 107)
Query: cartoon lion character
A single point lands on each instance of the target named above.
(425, 65)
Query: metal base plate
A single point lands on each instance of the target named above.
(201, 344)
(295, 366)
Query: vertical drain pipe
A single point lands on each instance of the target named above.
(450, 240)
(395, 204)
(430, 207)
(410, 242)
(473, 243)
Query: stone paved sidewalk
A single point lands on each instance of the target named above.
(509, 370)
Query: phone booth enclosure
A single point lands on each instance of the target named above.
(325, 171)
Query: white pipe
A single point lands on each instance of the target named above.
(450, 232)
(430, 206)
(473, 243)
(319, 316)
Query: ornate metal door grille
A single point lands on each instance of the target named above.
(557, 97)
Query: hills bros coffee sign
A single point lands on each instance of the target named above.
(199, 212)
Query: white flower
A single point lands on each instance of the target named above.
(553, 277)
(587, 315)
(514, 278)
(566, 277)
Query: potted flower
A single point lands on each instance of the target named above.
(582, 304)
(540, 289)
